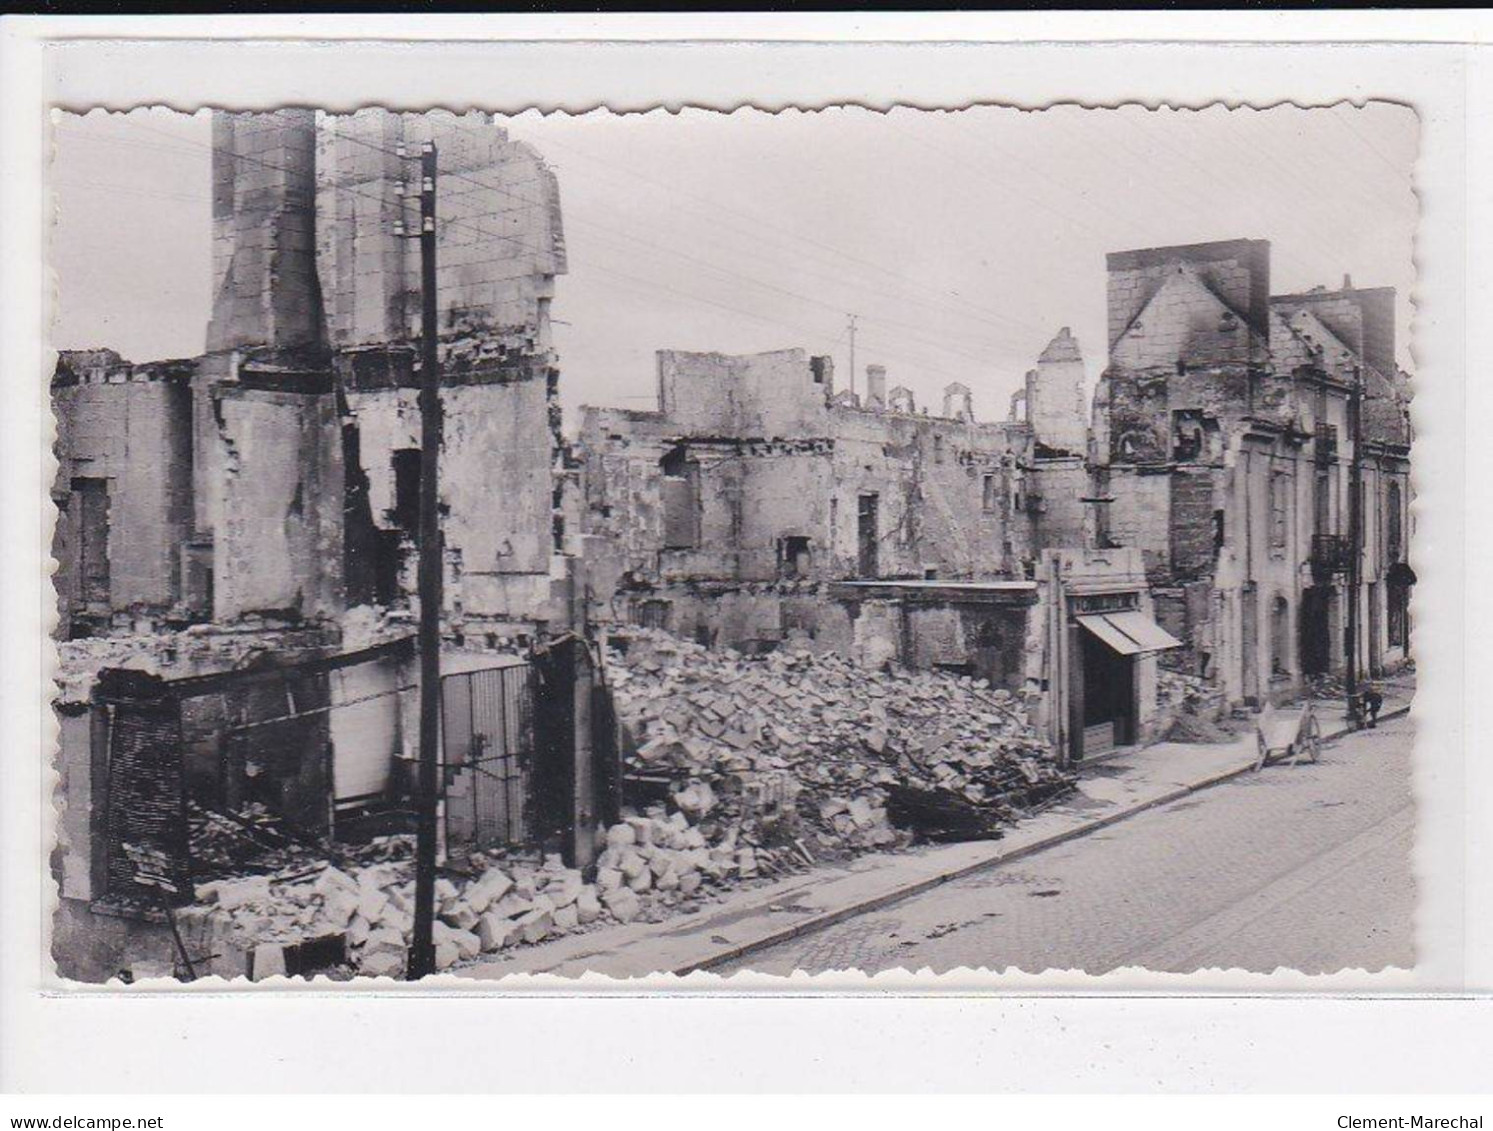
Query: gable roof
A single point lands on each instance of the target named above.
(1185, 320)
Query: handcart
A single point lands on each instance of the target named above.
(1293, 734)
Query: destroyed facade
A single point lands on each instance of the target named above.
(769, 623)
(235, 536)
(1222, 447)
(1194, 521)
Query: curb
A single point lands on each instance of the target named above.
(830, 918)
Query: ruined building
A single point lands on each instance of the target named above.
(724, 513)
(499, 246)
(1221, 443)
(275, 477)
(759, 505)
(234, 546)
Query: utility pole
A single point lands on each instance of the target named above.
(851, 330)
(422, 946)
(1355, 542)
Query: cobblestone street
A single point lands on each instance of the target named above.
(1306, 867)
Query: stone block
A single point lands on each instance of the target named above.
(495, 932)
(660, 863)
(231, 894)
(371, 904)
(384, 938)
(608, 879)
(446, 955)
(493, 885)
(358, 930)
(340, 907)
(633, 865)
(467, 943)
(623, 904)
(564, 888)
(459, 914)
(512, 905)
(566, 918)
(588, 906)
(536, 925)
(268, 961)
(746, 863)
(382, 964)
(334, 880)
(642, 828)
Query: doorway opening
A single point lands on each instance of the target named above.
(1108, 698)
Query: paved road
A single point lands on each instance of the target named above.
(1306, 867)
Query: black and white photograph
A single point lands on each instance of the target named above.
(824, 562)
(741, 542)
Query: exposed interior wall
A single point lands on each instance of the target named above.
(498, 250)
(757, 396)
(123, 486)
(1055, 405)
(278, 548)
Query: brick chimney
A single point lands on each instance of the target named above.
(876, 386)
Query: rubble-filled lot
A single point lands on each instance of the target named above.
(809, 752)
(1178, 691)
(739, 769)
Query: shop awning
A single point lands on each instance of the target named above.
(1129, 633)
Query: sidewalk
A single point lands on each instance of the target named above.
(757, 917)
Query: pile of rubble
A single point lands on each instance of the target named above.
(1178, 691)
(371, 909)
(650, 867)
(739, 768)
(800, 752)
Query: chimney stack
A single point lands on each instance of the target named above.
(876, 386)
(266, 293)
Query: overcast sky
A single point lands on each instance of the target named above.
(963, 241)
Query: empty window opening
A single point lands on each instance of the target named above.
(794, 557)
(1187, 435)
(1279, 510)
(92, 509)
(1396, 530)
(1280, 636)
(406, 512)
(681, 500)
(867, 534)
